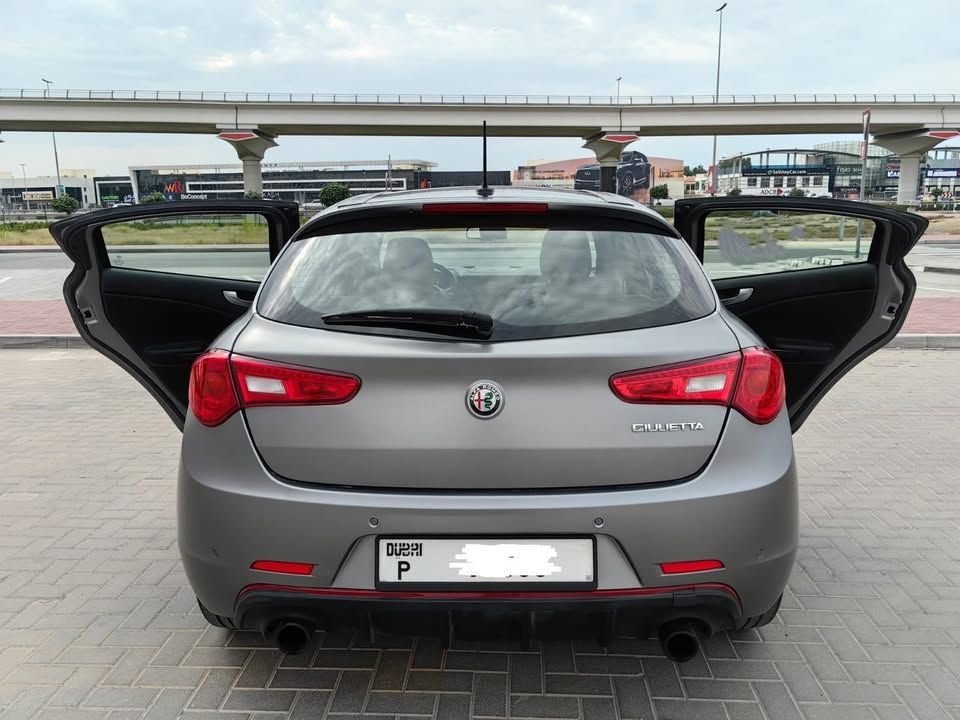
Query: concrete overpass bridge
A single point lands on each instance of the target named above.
(908, 124)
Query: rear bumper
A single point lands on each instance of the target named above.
(631, 612)
(742, 509)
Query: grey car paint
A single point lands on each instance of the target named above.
(561, 426)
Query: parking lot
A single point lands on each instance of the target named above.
(97, 620)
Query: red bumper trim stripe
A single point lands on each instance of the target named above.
(486, 595)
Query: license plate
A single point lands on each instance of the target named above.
(446, 562)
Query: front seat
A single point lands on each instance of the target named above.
(408, 268)
(565, 257)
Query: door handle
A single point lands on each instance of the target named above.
(742, 295)
(233, 297)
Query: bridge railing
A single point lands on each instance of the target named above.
(446, 99)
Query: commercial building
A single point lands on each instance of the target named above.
(301, 181)
(37, 193)
(940, 179)
(834, 169)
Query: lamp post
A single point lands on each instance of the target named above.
(23, 169)
(716, 99)
(618, 88)
(56, 158)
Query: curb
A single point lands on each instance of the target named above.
(935, 269)
(931, 341)
(14, 342)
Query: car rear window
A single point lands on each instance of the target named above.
(534, 282)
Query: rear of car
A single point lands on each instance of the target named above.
(448, 407)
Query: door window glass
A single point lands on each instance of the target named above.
(754, 242)
(230, 245)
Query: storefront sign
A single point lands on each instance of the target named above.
(942, 172)
(771, 170)
(38, 195)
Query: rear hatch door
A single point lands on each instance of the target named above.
(560, 427)
(576, 293)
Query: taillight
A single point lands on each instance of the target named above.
(761, 390)
(221, 384)
(708, 381)
(266, 383)
(212, 395)
(751, 382)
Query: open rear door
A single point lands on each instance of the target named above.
(153, 285)
(823, 282)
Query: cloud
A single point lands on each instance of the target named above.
(431, 46)
(223, 61)
(581, 18)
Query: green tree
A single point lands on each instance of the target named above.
(936, 192)
(659, 192)
(65, 203)
(796, 192)
(734, 192)
(153, 197)
(691, 171)
(252, 195)
(333, 193)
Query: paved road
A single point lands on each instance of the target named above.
(96, 620)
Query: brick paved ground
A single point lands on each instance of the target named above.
(96, 620)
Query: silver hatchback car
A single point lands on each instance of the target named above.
(449, 411)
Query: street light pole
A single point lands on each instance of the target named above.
(23, 169)
(56, 157)
(716, 99)
(618, 88)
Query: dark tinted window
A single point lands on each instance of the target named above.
(533, 282)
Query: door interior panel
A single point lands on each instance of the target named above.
(807, 317)
(170, 319)
(152, 323)
(821, 321)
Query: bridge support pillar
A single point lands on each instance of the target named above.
(607, 147)
(911, 146)
(909, 182)
(251, 145)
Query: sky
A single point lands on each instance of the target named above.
(433, 46)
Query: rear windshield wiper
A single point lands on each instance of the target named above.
(463, 323)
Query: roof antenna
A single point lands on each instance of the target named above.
(484, 190)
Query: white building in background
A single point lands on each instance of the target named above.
(39, 191)
(940, 178)
(696, 185)
(775, 172)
